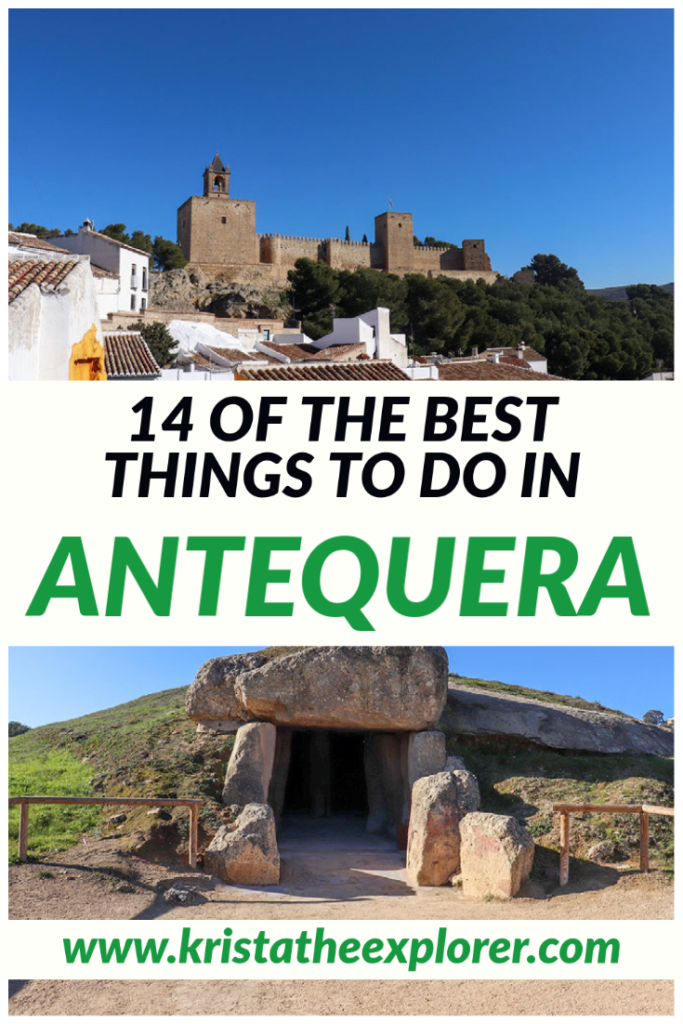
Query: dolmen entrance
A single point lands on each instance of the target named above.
(323, 729)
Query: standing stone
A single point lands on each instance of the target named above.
(433, 832)
(247, 779)
(496, 853)
(278, 780)
(469, 798)
(426, 754)
(248, 853)
(384, 754)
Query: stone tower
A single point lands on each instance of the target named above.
(216, 230)
(394, 232)
(217, 178)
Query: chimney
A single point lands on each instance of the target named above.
(475, 350)
(494, 357)
(86, 226)
(520, 349)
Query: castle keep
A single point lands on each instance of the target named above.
(217, 232)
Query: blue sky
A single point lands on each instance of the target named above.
(49, 684)
(538, 130)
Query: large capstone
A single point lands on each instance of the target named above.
(246, 854)
(370, 688)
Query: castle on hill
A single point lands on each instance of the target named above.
(217, 232)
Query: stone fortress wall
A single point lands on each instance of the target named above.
(216, 232)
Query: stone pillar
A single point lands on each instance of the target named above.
(321, 775)
(278, 781)
(247, 778)
(434, 833)
(385, 781)
(426, 755)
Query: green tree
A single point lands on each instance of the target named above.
(117, 232)
(437, 243)
(139, 240)
(161, 344)
(435, 312)
(550, 270)
(36, 229)
(314, 293)
(17, 728)
(167, 255)
(653, 717)
(364, 289)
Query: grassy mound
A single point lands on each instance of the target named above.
(147, 747)
(545, 696)
(525, 780)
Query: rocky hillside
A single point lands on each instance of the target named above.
(189, 290)
(148, 747)
(479, 708)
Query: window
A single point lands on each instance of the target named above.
(132, 303)
(143, 303)
(224, 220)
(266, 334)
(133, 269)
(144, 279)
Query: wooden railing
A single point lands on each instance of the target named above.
(25, 802)
(643, 810)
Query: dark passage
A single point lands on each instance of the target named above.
(326, 774)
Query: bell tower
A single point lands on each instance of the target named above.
(217, 178)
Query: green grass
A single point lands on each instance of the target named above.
(524, 780)
(545, 696)
(147, 747)
(52, 773)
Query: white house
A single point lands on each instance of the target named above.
(123, 283)
(54, 330)
(369, 329)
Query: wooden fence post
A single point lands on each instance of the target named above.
(644, 841)
(23, 831)
(564, 848)
(194, 828)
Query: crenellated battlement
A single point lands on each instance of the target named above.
(436, 248)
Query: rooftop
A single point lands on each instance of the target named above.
(126, 355)
(27, 241)
(309, 353)
(47, 274)
(484, 369)
(367, 369)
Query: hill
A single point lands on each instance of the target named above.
(620, 292)
(148, 747)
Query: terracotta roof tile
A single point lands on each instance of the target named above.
(368, 369)
(32, 242)
(233, 355)
(309, 353)
(126, 355)
(482, 369)
(47, 274)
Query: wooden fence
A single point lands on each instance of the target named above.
(643, 810)
(24, 803)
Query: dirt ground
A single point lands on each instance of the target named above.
(331, 873)
(348, 998)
